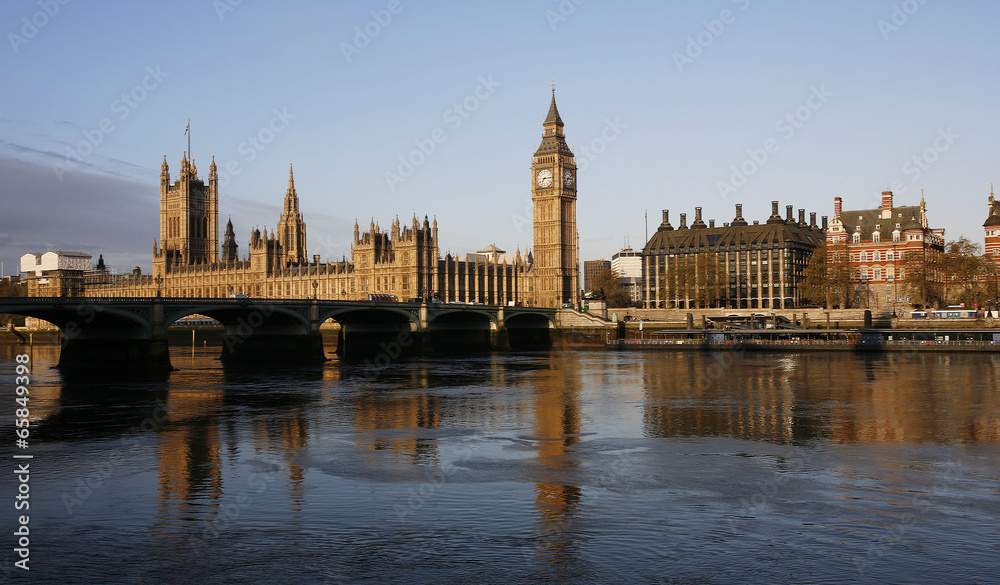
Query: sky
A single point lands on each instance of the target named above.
(399, 108)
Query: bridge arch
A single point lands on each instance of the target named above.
(529, 330)
(231, 314)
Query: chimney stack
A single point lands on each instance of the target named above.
(698, 223)
(802, 217)
(824, 223)
(886, 204)
(788, 214)
(711, 223)
(812, 219)
(837, 205)
(683, 225)
(666, 220)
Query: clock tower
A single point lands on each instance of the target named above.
(553, 195)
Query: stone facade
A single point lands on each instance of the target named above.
(737, 266)
(402, 262)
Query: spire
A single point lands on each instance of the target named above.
(291, 179)
(553, 116)
(553, 133)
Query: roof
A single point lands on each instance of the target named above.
(491, 249)
(868, 221)
(738, 235)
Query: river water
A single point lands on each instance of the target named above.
(552, 467)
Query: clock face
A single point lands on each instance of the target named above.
(568, 178)
(544, 178)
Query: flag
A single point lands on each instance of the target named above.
(188, 129)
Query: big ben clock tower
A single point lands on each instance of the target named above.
(553, 194)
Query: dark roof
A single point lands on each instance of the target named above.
(908, 218)
(553, 116)
(771, 234)
(994, 219)
(553, 142)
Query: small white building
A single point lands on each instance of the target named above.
(627, 263)
(39, 264)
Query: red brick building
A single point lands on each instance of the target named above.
(991, 231)
(881, 245)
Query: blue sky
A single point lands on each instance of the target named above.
(661, 100)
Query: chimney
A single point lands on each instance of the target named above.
(824, 223)
(738, 220)
(837, 205)
(886, 204)
(812, 219)
(802, 217)
(666, 220)
(698, 223)
(711, 223)
(316, 259)
(788, 214)
(774, 209)
(683, 225)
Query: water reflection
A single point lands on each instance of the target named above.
(557, 427)
(516, 458)
(892, 398)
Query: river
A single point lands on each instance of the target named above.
(553, 467)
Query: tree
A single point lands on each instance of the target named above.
(921, 276)
(964, 270)
(608, 287)
(827, 277)
(12, 288)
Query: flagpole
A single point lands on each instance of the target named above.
(188, 132)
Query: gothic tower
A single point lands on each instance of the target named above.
(230, 251)
(189, 216)
(553, 194)
(291, 227)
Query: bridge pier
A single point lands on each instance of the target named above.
(288, 348)
(96, 354)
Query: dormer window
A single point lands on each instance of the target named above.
(857, 238)
(895, 234)
(875, 236)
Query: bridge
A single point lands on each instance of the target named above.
(131, 333)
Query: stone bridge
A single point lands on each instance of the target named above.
(130, 333)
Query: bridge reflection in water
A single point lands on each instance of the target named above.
(130, 333)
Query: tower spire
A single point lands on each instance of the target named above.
(553, 115)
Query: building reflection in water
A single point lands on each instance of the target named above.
(843, 397)
(557, 428)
